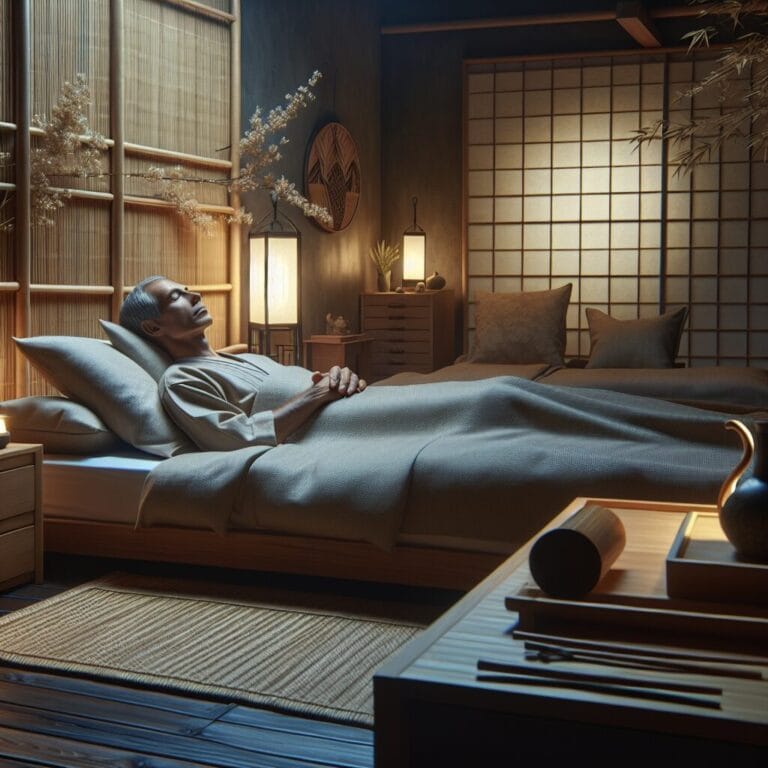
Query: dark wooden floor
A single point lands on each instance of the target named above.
(56, 720)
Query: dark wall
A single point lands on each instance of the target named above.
(282, 44)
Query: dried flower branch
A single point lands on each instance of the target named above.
(259, 150)
(384, 256)
(745, 116)
(68, 147)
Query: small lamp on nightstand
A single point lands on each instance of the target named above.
(414, 250)
(5, 437)
(274, 279)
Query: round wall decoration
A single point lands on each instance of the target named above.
(333, 175)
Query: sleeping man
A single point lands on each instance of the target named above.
(222, 401)
(320, 454)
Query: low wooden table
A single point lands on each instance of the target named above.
(430, 709)
(321, 352)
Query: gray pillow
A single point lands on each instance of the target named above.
(150, 357)
(649, 342)
(120, 392)
(521, 328)
(60, 424)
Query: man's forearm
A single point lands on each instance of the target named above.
(295, 412)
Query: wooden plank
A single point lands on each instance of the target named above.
(138, 715)
(258, 551)
(139, 740)
(22, 748)
(98, 689)
(293, 746)
(264, 718)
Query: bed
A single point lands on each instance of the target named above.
(442, 511)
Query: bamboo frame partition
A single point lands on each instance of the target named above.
(115, 197)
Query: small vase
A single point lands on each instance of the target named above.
(384, 281)
(743, 503)
(435, 282)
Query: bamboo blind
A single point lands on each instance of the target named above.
(161, 75)
(555, 193)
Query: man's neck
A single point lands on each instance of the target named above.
(196, 346)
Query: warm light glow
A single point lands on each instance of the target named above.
(2, 424)
(414, 256)
(275, 258)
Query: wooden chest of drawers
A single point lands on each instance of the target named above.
(21, 524)
(411, 331)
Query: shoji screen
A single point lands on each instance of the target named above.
(555, 192)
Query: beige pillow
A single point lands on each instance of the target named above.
(649, 342)
(524, 327)
(150, 357)
(60, 424)
(121, 393)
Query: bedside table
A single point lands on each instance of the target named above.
(350, 350)
(21, 514)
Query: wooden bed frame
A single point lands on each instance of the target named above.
(262, 551)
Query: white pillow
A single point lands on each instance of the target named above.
(119, 391)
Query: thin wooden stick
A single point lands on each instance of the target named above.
(623, 648)
(579, 675)
(559, 653)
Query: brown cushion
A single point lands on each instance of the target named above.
(526, 327)
(648, 342)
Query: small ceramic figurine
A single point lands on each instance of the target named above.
(335, 326)
(420, 287)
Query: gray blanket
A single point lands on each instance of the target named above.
(516, 449)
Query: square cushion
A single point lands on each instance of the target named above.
(110, 384)
(648, 342)
(60, 424)
(149, 356)
(526, 327)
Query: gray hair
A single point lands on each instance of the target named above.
(140, 306)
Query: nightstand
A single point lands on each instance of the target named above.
(21, 514)
(411, 331)
(321, 352)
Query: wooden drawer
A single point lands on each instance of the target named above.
(398, 347)
(397, 313)
(391, 335)
(396, 301)
(17, 553)
(17, 491)
(373, 324)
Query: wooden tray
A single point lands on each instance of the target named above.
(702, 565)
(632, 604)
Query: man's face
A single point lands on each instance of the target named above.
(182, 312)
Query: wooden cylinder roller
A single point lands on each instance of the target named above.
(569, 561)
